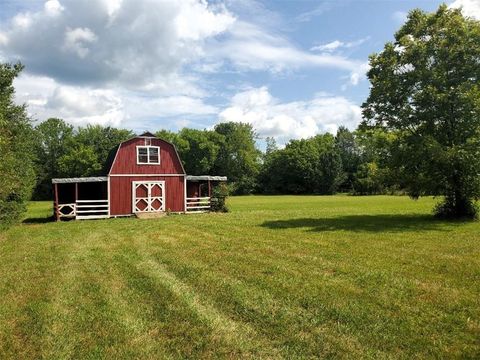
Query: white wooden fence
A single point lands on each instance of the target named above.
(84, 209)
(198, 204)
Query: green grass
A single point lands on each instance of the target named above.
(277, 277)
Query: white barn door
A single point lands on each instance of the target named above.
(148, 196)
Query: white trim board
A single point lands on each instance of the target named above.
(185, 194)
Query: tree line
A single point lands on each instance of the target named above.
(323, 164)
(420, 133)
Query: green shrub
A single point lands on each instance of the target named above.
(219, 198)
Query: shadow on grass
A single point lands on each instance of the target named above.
(368, 223)
(38, 220)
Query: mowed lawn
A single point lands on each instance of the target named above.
(277, 277)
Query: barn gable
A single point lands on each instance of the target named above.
(126, 159)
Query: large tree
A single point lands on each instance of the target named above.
(17, 175)
(426, 92)
(347, 147)
(101, 139)
(53, 136)
(198, 150)
(238, 158)
(304, 166)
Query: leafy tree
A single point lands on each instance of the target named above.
(167, 135)
(52, 136)
(330, 172)
(16, 150)
(271, 146)
(426, 89)
(296, 166)
(303, 166)
(101, 139)
(238, 158)
(368, 180)
(374, 174)
(80, 160)
(198, 150)
(347, 147)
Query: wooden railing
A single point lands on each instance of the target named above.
(92, 209)
(198, 204)
(66, 210)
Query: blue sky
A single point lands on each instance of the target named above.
(290, 68)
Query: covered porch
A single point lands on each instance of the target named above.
(81, 198)
(199, 194)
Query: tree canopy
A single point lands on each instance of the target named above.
(16, 144)
(426, 92)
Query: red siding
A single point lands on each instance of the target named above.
(126, 159)
(121, 193)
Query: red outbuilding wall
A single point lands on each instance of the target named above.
(121, 193)
(125, 170)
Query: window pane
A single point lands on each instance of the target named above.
(142, 155)
(153, 155)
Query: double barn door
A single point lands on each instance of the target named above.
(148, 196)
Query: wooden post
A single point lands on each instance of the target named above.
(209, 189)
(55, 192)
(76, 198)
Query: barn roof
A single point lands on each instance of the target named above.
(79, 180)
(147, 134)
(206, 177)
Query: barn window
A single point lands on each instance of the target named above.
(148, 155)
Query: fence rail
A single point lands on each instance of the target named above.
(84, 209)
(198, 204)
(92, 209)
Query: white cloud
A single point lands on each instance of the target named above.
(334, 45)
(131, 43)
(53, 8)
(469, 8)
(22, 21)
(249, 47)
(319, 10)
(80, 105)
(337, 44)
(292, 120)
(3, 39)
(195, 22)
(76, 40)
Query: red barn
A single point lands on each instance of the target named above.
(145, 175)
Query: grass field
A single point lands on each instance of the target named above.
(277, 277)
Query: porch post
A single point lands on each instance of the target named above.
(55, 202)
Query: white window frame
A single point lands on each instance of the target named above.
(148, 155)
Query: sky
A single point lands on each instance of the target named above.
(291, 68)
